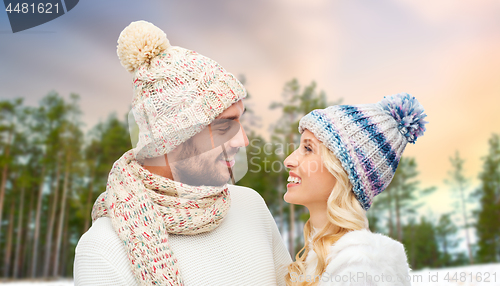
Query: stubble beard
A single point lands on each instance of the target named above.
(202, 170)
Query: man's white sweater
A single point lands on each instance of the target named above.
(246, 249)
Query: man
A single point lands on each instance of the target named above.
(168, 216)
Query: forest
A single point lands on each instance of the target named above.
(52, 170)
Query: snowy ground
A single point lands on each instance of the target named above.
(486, 274)
(38, 283)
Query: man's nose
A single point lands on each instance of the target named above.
(240, 139)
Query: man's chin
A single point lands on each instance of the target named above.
(223, 179)
(217, 183)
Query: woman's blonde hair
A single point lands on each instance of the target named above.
(344, 214)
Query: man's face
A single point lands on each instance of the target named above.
(207, 158)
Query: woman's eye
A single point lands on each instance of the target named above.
(308, 149)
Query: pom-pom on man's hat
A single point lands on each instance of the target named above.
(177, 92)
(368, 139)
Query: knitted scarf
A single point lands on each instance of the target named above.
(144, 208)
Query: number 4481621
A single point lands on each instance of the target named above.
(27, 8)
(469, 277)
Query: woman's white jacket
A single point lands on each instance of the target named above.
(362, 258)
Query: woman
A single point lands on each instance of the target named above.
(347, 155)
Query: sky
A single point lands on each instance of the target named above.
(445, 53)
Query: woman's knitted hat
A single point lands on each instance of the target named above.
(368, 139)
(177, 92)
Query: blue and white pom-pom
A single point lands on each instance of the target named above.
(408, 113)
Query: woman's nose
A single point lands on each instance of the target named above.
(291, 161)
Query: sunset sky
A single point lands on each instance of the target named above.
(445, 53)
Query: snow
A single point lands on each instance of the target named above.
(30, 282)
(484, 274)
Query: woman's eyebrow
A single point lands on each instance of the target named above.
(309, 141)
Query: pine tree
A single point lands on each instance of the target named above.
(400, 197)
(9, 113)
(446, 232)
(72, 140)
(459, 183)
(421, 245)
(49, 119)
(488, 222)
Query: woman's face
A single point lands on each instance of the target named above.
(309, 182)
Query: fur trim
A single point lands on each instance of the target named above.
(363, 258)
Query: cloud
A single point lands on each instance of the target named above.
(443, 53)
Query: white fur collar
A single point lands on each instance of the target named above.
(362, 251)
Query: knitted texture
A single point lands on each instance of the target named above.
(177, 92)
(368, 139)
(245, 249)
(144, 208)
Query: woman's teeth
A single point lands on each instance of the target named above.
(294, 180)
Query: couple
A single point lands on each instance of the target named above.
(168, 216)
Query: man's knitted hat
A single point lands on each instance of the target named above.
(177, 92)
(368, 139)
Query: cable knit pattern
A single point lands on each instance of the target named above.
(177, 92)
(364, 258)
(144, 208)
(368, 139)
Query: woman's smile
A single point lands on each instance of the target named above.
(294, 180)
